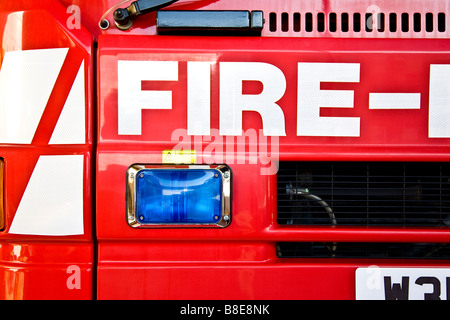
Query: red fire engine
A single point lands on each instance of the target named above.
(225, 149)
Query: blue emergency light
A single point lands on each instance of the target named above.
(178, 196)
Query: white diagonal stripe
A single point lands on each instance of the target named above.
(52, 203)
(27, 79)
(71, 126)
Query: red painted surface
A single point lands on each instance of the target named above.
(238, 262)
(34, 266)
(382, 69)
(176, 263)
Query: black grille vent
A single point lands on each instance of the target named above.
(357, 22)
(439, 251)
(364, 194)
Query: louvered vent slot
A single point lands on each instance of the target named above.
(364, 194)
(438, 251)
(357, 22)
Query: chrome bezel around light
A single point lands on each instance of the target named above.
(132, 173)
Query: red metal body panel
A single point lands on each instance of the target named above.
(383, 69)
(176, 263)
(294, 279)
(43, 266)
(240, 261)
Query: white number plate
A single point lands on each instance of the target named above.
(375, 283)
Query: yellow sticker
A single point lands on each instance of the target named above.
(178, 156)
